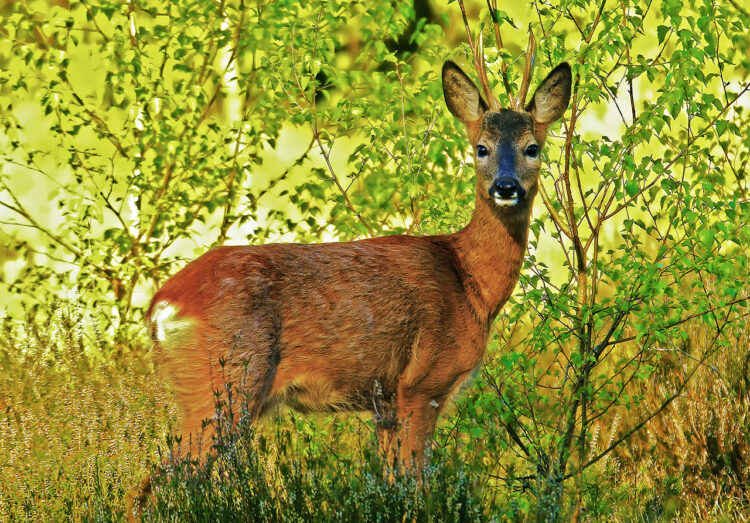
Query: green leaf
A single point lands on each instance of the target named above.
(661, 32)
(706, 237)
(721, 126)
(631, 187)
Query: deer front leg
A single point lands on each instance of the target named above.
(403, 430)
(422, 388)
(417, 414)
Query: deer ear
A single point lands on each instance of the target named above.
(462, 96)
(550, 100)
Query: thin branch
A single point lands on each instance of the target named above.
(299, 161)
(477, 51)
(99, 122)
(651, 416)
(596, 21)
(682, 320)
(710, 125)
(739, 8)
(349, 204)
(492, 6)
(19, 209)
(552, 212)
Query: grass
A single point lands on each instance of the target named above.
(78, 430)
(292, 475)
(74, 429)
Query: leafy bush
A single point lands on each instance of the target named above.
(646, 225)
(170, 123)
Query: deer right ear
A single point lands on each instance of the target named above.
(462, 96)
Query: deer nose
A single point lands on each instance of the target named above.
(505, 188)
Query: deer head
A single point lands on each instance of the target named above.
(507, 142)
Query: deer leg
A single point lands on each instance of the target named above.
(417, 413)
(195, 397)
(423, 385)
(247, 371)
(236, 362)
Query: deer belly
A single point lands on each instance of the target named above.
(315, 393)
(337, 372)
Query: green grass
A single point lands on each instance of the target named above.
(74, 429)
(292, 475)
(78, 430)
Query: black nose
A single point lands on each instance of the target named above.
(505, 188)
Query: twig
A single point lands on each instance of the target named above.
(710, 125)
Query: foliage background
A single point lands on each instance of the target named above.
(137, 135)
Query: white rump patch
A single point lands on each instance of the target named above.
(168, 326)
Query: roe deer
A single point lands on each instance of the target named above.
(391, 324)
(329, 326)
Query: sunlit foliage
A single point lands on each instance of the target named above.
(137, 135)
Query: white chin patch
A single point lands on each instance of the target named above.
(506, 203)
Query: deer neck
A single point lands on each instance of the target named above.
(491, 249)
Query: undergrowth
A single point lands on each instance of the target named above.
(78, 430)
(293, 474)
(75, 429)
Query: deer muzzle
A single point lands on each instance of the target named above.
(506, 191)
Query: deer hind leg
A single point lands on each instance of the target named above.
(188, 355)
(179, 356)
(387, 430)
(193, 386)
(205, 363)
(195, 439)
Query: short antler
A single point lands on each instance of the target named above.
(528, 68)
(492, 6)
(477, 50)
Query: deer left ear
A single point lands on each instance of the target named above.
(550, 100)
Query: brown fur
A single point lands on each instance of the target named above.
(391, 325)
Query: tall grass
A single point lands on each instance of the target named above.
(78, 430)
(294, 474)
(74, 429)
(695, 457)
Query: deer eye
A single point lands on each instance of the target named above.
(481, 151)
(532, 150)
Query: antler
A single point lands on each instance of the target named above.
(528, 67)
(481, 67)
(479, 64)
(492, 6)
